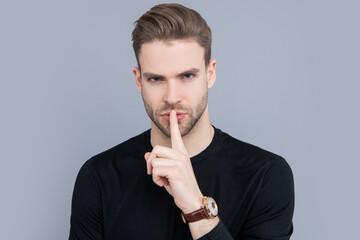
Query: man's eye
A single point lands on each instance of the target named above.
(189, 76)
(154, 79)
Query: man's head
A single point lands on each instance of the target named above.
(166, 22)
(172, 47)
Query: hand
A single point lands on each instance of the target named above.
(171, 168)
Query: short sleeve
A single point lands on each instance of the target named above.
(271, 215)
(86, 209)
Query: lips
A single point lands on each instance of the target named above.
(180, 116)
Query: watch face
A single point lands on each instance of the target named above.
(212, 207)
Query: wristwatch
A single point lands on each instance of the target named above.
(209, 210)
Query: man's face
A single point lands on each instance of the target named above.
(173, 76)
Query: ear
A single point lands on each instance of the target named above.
(137, 75)
(211, 73)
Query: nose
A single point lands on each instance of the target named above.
(172, 94)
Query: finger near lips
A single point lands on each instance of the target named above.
(175, 135)
(161, 156)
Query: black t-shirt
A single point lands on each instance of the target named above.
(114, 198)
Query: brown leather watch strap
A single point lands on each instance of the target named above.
(195, 216)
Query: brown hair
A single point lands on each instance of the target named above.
(171, 22)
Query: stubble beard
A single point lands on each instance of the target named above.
(193, 114)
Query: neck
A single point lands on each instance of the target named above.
(195, 141)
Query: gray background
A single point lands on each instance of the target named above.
(287, 81)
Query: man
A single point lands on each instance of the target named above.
(183, 178)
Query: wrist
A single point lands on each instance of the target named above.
(208, 210)
(193, 205)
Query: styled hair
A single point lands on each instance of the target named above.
(166, 22)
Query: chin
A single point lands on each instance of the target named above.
(165, 129)
(184, 131)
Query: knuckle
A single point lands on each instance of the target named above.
(155, 162)
(153, 151)
(157, 148)
(148, 161)
(155, 178)
(155, 172)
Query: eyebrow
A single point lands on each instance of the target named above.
(189, 71)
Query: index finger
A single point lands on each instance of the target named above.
(176, 140)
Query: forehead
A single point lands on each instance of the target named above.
(171, 57)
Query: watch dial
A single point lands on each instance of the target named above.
(212, 207)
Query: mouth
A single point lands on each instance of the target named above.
(180, 116)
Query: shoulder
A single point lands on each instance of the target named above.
(249, 155)
(131, 149)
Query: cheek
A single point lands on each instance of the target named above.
(196, 92)
(152, 97)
